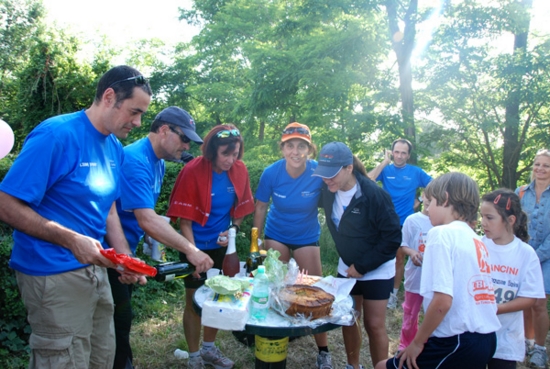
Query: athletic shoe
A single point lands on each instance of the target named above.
(195, 363)
(538, 358)
(348, 366)
(529, 347)
(392, 302)
(324, 360)
(213, 356)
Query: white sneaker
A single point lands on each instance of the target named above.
(349, 366)
(392, 302)
(538, 358)
(195, 363)
(214, 357)
(324, 360)
(529, 347)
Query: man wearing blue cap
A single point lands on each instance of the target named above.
(142, 174)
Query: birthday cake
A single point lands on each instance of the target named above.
(309, 301)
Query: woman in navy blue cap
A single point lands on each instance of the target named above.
(366, 230)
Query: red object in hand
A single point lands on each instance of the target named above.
(129, 263)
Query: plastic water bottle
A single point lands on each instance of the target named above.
(260, 295)
(180, 354)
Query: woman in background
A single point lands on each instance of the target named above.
(535, 201)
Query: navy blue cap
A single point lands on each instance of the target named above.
(182, 119)
(332, 158)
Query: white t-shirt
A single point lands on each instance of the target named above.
(415, 231)
(515, 270)
(384, 271)
(341, 202)
(457, 264)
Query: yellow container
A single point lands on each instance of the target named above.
(271, 350)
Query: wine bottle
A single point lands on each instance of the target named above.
(253, 260)
(230, 265)
(172, 270)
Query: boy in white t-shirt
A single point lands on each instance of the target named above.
(460, 321)
(415, 231)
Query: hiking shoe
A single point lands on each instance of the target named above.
(538, 358)
(392, 302)
(214, 357)
(195, 363)
(324, 360)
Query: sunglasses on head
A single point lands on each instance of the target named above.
(228, 132)
(182, 136)
(138, 80)
(299, 130)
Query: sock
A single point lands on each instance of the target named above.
(322, 348)
(194, 354)
(207, 345)
(395, 291)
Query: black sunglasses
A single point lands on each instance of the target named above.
(182, 136)
(299, 130)
(138, 80)
(228, 132)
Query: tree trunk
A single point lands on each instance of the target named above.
(261, 133)
(512, 147)
(403, 45)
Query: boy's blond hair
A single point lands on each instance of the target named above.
(458, 190)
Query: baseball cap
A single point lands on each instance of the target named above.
(332, 158)
(296, 130)
(181, 118)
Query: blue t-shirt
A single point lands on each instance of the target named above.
(223, 199)
(401, 184)
(140, 184)
(67, 172)
(292, 216)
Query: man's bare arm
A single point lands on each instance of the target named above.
(155, 226)
(373, 174)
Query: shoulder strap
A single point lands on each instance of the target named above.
(522, 191)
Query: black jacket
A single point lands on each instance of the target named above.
(369, 233)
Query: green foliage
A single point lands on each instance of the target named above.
(14, 329)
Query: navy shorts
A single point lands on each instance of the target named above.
(216, 255)
(291, 245)
(466, 350)
(376, 289)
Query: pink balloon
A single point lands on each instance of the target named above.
(6, 139)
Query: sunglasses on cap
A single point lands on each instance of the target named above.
(228, 132)
(138, 80)
(182, 137)
(299, 130)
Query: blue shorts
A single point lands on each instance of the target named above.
(466, 350)
(291, 245)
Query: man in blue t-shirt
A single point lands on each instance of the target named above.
(59, 195)
(142, 174)
(401, 181)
